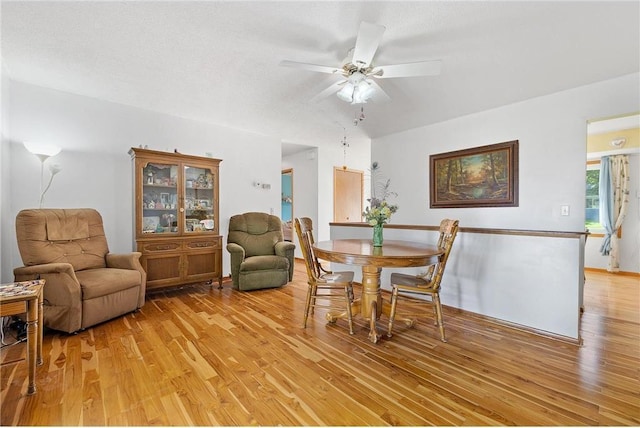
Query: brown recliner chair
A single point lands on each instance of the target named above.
(85, 284)
(260, 258)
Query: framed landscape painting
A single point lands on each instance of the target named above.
(485, 176)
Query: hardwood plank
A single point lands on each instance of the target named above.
(92, 407)
(203, 356)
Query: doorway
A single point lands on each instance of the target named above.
(619, 135)
(287, 204)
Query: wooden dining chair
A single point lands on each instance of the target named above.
(324, 285)
(427, 283)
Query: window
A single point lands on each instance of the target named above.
(592, 217)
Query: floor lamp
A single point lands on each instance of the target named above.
(43, 152)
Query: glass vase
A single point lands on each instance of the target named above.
(377, 235)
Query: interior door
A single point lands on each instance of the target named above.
(347, 195)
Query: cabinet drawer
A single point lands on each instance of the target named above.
(154, 247)
(209, 243)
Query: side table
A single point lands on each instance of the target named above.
(26, 297)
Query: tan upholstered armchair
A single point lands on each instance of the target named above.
(85, 284)
(260, 258)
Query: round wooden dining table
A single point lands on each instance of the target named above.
(398, 254)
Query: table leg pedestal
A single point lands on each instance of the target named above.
(332, 317)
(373, 331)
(371, 306)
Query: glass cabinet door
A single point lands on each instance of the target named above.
(199, 200)
(160, 198)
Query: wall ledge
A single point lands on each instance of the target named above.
(621, 273)
(491, 231)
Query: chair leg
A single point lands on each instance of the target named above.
(351, 295)
(438, 306)
(314, 292)
(307, 306)
(348, 291)
(436, 320)
(392, 314)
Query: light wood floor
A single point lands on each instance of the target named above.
(198, 356)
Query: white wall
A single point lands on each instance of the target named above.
(95, 137)
(5, 213)
(552, 132)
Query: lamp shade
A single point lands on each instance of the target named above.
(42, 149)
(357, 90)
(346, 93)
(362, 92)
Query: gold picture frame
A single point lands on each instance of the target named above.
(485, 176)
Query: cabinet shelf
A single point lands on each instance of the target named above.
(163, 186)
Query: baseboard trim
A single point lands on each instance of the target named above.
(524, 328)
(623, 273)
(531, 330)
(508, 324)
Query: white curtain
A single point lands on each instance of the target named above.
(614, 199)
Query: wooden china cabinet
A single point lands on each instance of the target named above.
(177, 217)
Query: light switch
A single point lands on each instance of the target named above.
(564, 210)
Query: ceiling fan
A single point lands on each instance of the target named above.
(358, 85)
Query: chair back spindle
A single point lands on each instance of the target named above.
(448, 232)
(304, 230)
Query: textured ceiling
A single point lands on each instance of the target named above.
(218, 61)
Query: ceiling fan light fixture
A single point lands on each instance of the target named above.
(362, 92)
(346, 93)
(357, 90)
(356, 78)
(357, 69)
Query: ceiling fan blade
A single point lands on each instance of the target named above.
(311, 67)
(422, 68)
(379, 96)
(335, 87)
(369, 36)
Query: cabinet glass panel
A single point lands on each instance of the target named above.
(199, 200)
(160, 198)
